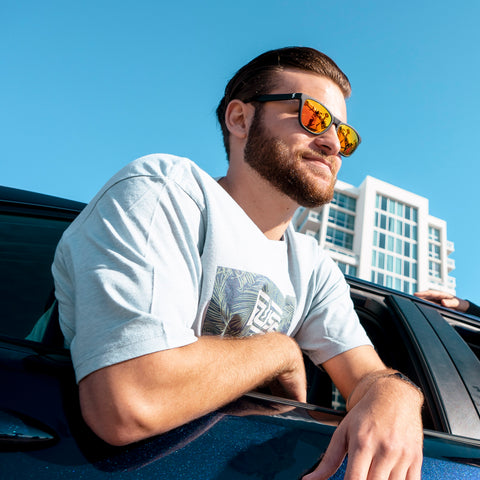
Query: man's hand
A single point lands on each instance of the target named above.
(444, 299)
(382, 433)
(383, 438)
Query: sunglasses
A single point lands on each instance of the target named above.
(315, 118)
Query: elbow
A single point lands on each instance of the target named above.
(120, 425)
(123, 430)
(121, 413)
(117, 435)
(113, 429)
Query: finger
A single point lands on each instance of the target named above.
(429, 296)
(415, 470)
(403, 470)
(450, 302)
(332, 459)
(359, 465)
(381, 467)
(386, 464)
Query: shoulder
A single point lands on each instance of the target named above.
(136, 192)
(163, 169)
(149, 178)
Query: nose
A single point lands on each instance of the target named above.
(328, 141)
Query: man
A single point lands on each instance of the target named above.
(174, 287)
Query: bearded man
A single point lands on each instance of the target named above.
(172, 285)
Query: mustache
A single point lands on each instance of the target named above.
(330, 160)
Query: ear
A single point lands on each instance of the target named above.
(238, 117)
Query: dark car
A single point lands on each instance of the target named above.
(43, 436)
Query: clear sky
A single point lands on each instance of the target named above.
(86, 87)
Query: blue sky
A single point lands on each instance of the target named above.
(86, 87)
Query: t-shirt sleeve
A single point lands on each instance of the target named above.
(128, 274)
(331, 325)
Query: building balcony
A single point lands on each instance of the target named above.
(450, 264)
(451, 282)
(310, 222)
(342, 254)
(450, 247)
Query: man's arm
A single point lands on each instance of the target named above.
(154, 393)
(382, 433)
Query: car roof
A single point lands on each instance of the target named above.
(17, 201)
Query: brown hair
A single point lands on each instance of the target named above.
(258, 76)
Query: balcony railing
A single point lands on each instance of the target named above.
(450, 264)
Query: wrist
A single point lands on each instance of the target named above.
(400, 376)
(374, 379)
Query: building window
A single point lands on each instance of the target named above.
(434, 269)
(390, 243)
(434, 251)
(383, 222)
(339, 238)
(341, 219)
(347, 269)
(398, 246)
(398, 266)
(399, 227)
(407, 230)
(434, 234)
(407, 286)
(390, 263)
(381, 242)
(344, 201)
(395, 232)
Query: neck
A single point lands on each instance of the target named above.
(268, 208)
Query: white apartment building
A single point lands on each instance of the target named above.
(384, 234)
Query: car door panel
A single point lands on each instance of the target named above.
(445, 385)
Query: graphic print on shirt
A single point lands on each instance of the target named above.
(245, 303)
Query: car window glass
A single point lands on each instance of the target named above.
(27, 246)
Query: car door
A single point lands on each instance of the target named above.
(448, 369)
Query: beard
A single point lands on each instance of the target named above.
(271, 158)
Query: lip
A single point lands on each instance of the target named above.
(319, 160)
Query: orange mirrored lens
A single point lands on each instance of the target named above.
(348, 139)
(315, 117)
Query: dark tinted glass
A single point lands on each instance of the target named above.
(27, 247)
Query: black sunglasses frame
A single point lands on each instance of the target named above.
(276, 97)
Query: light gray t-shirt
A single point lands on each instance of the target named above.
(163, 255)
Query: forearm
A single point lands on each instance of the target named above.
(152, 394)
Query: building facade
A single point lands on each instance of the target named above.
(384, 234)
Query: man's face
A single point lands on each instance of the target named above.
(299, 164)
